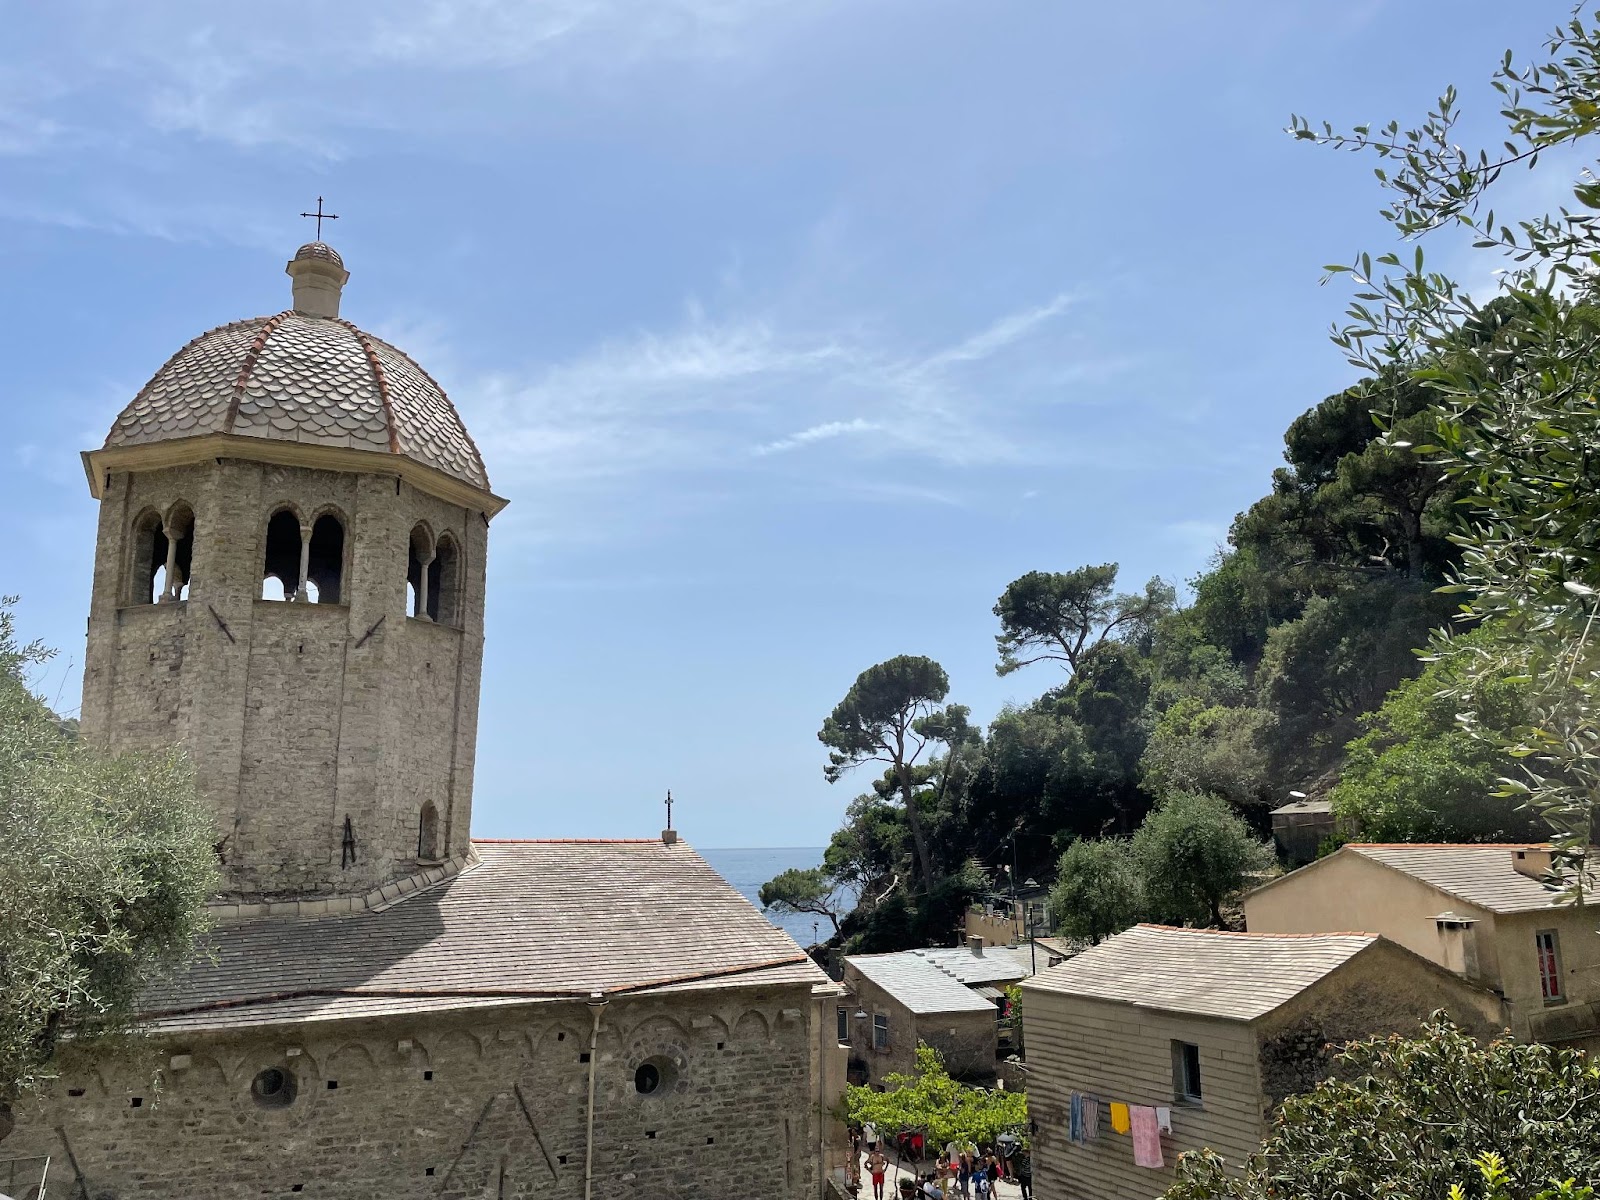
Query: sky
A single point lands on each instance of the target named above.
(792, 331)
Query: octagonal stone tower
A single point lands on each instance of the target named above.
(289, 581)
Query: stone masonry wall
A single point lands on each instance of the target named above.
(470, 1103)
(965, 1040)
(299, 715)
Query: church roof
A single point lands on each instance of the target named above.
(550, 920)
(301, 377)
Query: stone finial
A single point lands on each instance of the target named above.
(319, 278)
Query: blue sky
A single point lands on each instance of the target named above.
(793, 331)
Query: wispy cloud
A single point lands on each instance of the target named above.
(716, 396)
(817, 433)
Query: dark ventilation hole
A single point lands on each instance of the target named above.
(427, 1075)
(299, 1187)
(651, 1134)
(647, 1079)
(138, 1101)
(74, 1091)
(711, 1141)
(584, 1057)
(333, 1085)
(562, 1159)
(429, 1171)
(720, 1045)
(273, 1088)
(561, 1037)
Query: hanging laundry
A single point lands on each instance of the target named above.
(1119, 1117)
(1075, 1127)
(1091, 1118)
(1146, 1138)
(1164, 1119)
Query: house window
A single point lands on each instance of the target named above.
(1549, 965)
(1186, 1072)
(880, 1031)
(844, 1025)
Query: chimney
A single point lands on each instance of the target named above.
(669, 837)
(319, 278)
(975, 944)
(1458, 943)
(1532, 861)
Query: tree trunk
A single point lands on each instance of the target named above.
(919, 836)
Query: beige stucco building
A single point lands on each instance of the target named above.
(289, 580)
(1215, 1027)
(1483, 911)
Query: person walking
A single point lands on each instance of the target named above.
(877, 1167)
(1022, 1167)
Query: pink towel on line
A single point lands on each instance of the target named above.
(1146, 1137)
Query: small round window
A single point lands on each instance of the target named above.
(273, 1088)
(655, 1076)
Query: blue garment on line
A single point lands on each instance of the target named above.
(1075, 1127)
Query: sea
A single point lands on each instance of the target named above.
(748, 869)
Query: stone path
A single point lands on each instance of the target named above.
(1004, 1190)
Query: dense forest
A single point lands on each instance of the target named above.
(1297, 666)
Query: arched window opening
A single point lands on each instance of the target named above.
(180, 553)
(149, 557)
(283, 557)
(418, 574)
(428, 833)
(325, 564)
(444, 583)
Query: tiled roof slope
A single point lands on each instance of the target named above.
(1481, 874)
(1238, 976)
(918, 984)
(997, 964)
(300, 378)
(534, 920)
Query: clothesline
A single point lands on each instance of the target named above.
(1147, 1122)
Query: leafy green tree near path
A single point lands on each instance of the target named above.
(934, 1104)
(105, 866)
(1413, 1118)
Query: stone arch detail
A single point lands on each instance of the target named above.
(752, 1025)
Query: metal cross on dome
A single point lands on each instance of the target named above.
(321, 217)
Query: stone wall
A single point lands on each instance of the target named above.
(457, 1104)
(301, 715)
(965, 1040)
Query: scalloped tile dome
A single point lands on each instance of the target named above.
(299, 378)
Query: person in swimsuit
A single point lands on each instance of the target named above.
(877, 1167)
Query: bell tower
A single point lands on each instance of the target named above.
(289, 582)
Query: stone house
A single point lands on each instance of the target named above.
(952, 999)
(1483, 911)
(290, 580)
(1215, 1028)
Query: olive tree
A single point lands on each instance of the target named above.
(1429, 1118)
(105, 865)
